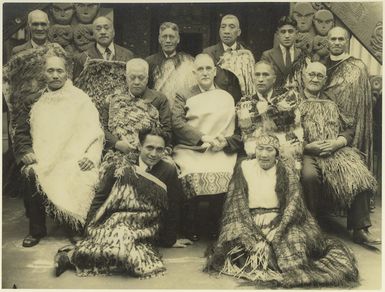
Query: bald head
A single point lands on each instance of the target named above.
(37, 16)
(338, 40)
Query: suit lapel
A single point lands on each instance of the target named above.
(278, 58)
(117, 53)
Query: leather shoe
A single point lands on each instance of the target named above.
(30, 241)
(362, 236)
(193, 237)
(62, 263)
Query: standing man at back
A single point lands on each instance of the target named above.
(170, 71)
(38, 25)
(349, 87)
(283, 56)
(229, 31)
(104, 48)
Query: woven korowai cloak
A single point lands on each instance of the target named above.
(119, 236)
(345, 174)
(64, 129)
(297, 255)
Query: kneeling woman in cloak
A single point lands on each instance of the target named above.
(268, 235)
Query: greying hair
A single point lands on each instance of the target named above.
(168, 24)
(267, 63)
(347, 35)
(231, 16)
(37, 11)
(136, 62)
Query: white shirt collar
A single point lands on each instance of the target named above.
(102, 50)
(339, 57)
(211, 88)
(35, 45)
(269, 94)
(283, 50)
(233, 47)
(169, 56)
(143, 165)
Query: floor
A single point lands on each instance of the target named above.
(33, 267)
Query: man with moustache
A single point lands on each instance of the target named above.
(104, 48)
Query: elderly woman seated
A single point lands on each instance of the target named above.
(267, 233)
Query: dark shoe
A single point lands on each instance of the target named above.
(362, 236)
(193, 237)
(62, 263)
(30, 241)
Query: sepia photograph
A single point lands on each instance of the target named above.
(192, 145)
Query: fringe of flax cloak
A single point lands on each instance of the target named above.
(303, 256)
(344, 171)
(118, 238)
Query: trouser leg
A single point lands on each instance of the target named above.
(191, 216)
(312, 184)
(358, 216)
(34, 204)
(215, 211)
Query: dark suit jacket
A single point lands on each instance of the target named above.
(188, 135)
(274, 56)
(22, 140)
(170, 219)
(18, 49)
(121, 54)
(224, 78)
(160, 102)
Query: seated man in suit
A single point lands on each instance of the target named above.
(105, 48)
(283, 55)
(38, 24)
(229, 31)
(203, 121)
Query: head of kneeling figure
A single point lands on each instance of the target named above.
(267, 150)
(314, 77)
(137, 76)
(204, 71)
(152, 145)
(55, 72)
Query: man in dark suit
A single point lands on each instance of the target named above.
(283, 55)
(104, 48)
(38, 25)
(229, 31)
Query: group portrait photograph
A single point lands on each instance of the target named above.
(192, 145)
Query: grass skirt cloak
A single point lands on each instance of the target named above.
(298, 254)
(64, 129)
(344, 172)
(119, 237)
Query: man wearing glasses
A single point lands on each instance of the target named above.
(285, 54)
(334, 176)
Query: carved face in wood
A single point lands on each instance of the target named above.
(303, 13)
(86, 12)
(62, 12)
(61, 34)
(83, 36)
(323, 22)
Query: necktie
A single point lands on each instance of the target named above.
(287, 59)
(229, 50)
(107, 54)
